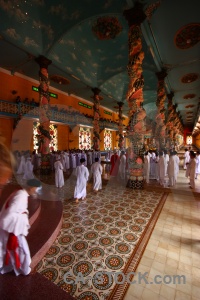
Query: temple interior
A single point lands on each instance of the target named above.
(84, 79)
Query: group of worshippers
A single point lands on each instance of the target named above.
(14, 221)
(192, 166)
(160, 166)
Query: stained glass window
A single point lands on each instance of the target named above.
(54, 136)
(84, 138)
(189, 140)
(107, 139)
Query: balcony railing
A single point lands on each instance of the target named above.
(14, 110)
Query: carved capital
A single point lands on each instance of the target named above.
(96, 91)
(170, 96)
(135, 15)
(43, 61)
(162, 74)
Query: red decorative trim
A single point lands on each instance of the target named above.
(188, 78)
(188, 36)
(189, 96)
(120, 290)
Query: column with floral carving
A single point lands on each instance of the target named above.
(96, 131)
(169, 118)
(44, 114)
(160, 103)
(121, 126)
(137, 115)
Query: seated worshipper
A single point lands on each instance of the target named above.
(28, 170)
(96, 170)
(114, 164)
(14, 226)
(59, 177)
(122, 165)
(82, 175)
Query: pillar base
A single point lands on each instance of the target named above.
(45, 167)
(136, 183)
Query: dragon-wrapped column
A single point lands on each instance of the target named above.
(44, 137)
(137, 115)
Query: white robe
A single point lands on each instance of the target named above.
(28, 172)
(192, 172)
(171, 170)
(96, 170)
(146, 167)
(67, 161)
(59, 178)
(177, 160)
(14, 220)
(21, 168)
(82, 178)
(197, 164)
(186, 159)
(122, 167)
(161, 164)
(166, 157)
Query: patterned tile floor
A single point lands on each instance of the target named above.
(98, 234)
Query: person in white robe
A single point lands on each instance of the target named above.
(14, 226)
(166, 157)
(67, 160)
(186, 159)
(197, 164)
(161, 164)
(28, 172)
(62, 159)
(177, 161)
(82, 175)
(21, 168)
(171, 169)
(122, 166)
(157, 167)
(59, 177)
(192, 169)
(89, 157)
(146, 167)
(73, 160)
(96, 170)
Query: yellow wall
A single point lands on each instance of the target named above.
(6, 130)
(196, 141)
(23, 89)
(63, 137)
(22, 138)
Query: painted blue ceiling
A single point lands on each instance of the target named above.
(62, 31)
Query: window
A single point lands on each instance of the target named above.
(53, 133)
(107, 139)
(84, 138)
(189, 140)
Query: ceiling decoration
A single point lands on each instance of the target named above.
(189, 106)
(189, 78)
(189, 112)
(188, 36)
(59, 79)
(189, 96)
(64, 32)
(106, 28)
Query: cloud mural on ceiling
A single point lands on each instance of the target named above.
(11, 32)
(30, 43)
